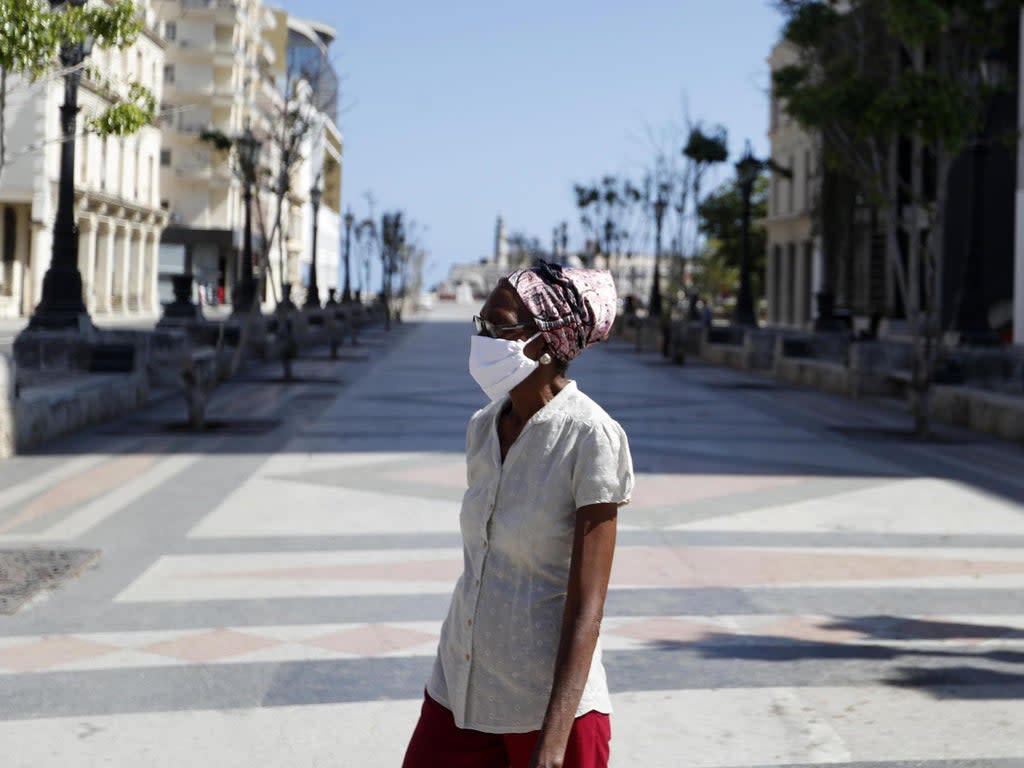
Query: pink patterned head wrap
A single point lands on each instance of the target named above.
(573, 308)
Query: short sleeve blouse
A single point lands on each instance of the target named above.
(496, 657)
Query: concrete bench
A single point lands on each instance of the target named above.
(826, 375)
(112, 358)
(995, 413)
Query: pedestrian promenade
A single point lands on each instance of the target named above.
(793, 586)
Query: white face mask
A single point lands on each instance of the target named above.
(498, 365)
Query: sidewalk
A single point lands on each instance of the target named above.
(787, 590)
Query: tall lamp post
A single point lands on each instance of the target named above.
(654, 304)
(244, 293)
(747, 169)
(313, 294)
(346, 294)
(61, 306)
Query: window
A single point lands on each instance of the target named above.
(170, 31)
(169, 73)
(165, 157)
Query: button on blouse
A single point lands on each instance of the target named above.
(496, 656)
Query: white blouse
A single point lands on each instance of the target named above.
(496, 658)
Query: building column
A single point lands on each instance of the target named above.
(799, 301)
(770, 281)
(117, 268)
(784, 283)
(102, 284)
(87, 261)
(141, 256)
(134, 267)
(122, 267)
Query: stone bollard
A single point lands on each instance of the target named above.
(182, 309)
(198, 379)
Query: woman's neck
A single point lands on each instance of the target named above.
(526, 402)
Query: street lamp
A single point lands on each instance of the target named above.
(654, 304)
(346, 294)
(313, 294)
(244, 294)
(61, 305)
(748, 168)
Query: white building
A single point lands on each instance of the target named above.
(222, 56)
(230, 66)
(117, 189)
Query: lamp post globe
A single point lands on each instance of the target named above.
(313, 294)
(248, 148)
(346, 293)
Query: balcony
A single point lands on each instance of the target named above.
(198, 5)
(185, 88)
(192, 47)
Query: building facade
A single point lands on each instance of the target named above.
(793, 260)
(117, 188)
(825, 240)
(311, 84)
(222, 57)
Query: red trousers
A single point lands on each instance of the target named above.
(438, 743)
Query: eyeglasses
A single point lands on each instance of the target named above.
(487, 328)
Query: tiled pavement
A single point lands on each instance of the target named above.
(783, 595)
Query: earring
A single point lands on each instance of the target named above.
(545, 359)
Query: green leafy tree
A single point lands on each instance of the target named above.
(31, 36)
(872, 75)
(704, 148)
(721, 223)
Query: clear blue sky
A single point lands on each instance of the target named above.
(456, 111)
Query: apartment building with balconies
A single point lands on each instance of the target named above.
(220, 54)
(230, 67)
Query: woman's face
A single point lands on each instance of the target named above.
(504, 309)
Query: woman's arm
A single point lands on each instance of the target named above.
(592, 549)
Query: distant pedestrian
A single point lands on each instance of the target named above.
(518, 680)
(706, 318)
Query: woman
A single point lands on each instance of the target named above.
(518, 679)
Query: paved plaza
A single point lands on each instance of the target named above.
(794, 585)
